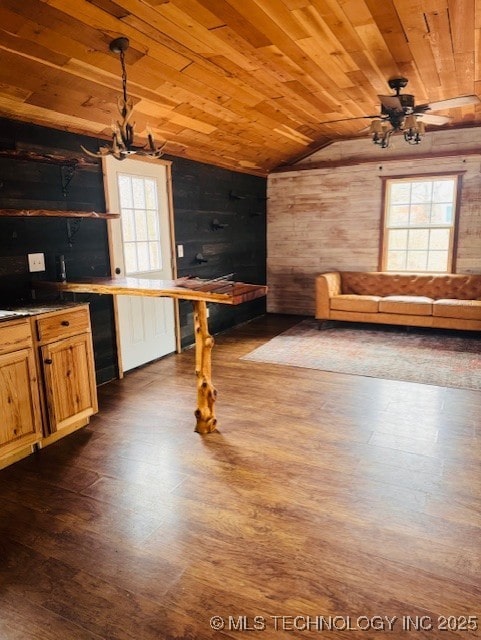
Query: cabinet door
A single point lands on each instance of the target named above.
(20, 423)
(69, 376)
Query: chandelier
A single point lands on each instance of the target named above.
(122, 144)
(382, 129)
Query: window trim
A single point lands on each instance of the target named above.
(452, 259)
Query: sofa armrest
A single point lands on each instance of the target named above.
(327, 286)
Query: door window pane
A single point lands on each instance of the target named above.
(128, 225)
(125, 191)
(143, 256)
(141, 225)
(154, 256)
(152, 225)
(139, 192)
(130, 256)
(150, 194)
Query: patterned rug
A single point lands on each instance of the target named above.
(435, 356)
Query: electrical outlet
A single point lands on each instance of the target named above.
(180, 250)
(36, 262)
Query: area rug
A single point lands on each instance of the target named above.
(437, 357)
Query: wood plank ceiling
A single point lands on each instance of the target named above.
(244, 84)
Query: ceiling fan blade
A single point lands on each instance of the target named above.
(391, 102)
(348, 119)
(451, 103)
(429, 118)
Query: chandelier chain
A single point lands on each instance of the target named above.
(122, 144)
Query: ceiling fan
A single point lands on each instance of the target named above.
(399, 112)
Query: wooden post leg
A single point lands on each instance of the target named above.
(206, 393)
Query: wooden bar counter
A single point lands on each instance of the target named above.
(200, 292)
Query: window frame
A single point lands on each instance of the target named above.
(453, 245)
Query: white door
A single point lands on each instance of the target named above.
(141, 247)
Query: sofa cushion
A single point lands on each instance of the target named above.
(408, 305)
(363, 304)
(450, 285)
(465, 309)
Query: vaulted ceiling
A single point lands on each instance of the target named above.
(245, 84)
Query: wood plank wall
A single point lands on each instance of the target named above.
(220, 215)
(202, 193)
(325, 214)
(83, 242)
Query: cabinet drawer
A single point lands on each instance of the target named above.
(15, 335)
(63, 324)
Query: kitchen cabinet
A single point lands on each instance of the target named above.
(20, 415)
(47, 378)
(66, 365)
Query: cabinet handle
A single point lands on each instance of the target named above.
(65, 323)
(48, 361)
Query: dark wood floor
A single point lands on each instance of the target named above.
(322, 495)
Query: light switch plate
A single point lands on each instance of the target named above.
(180, 250)
(36, 262)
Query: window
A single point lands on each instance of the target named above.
(140, 223)
(419, 224)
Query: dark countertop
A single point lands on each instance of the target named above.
(33, 309)
(6, 314)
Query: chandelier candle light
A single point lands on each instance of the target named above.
(122, 144)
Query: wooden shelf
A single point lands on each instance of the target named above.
(31, 213)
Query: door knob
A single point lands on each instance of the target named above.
(48, 361)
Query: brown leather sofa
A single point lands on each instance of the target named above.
(451, 301)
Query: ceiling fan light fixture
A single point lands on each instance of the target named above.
(413, 130)
(122, 144)
(376, 127)
(380, 132)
